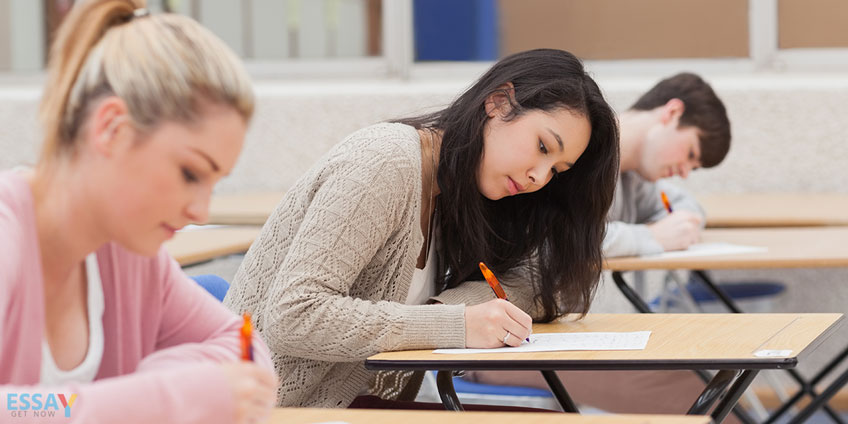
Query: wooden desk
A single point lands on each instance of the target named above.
(377, 416)
(787, 248)
(243, 209)
(199, 245)
(775, 210)
(725, 342)
(799, 247)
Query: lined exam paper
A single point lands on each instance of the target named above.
(549, 342)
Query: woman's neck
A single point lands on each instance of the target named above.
(66, 222)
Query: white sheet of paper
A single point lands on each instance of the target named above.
(549, 342)
(708, 249)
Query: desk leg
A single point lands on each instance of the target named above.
(444, 381)
(559, 391)
(712, 392)
(643, 307)
(806, 387)
(821, 400)
(728, 402)
(629, 293)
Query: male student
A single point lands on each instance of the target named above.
(678, 126)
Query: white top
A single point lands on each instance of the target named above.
(423, 287)
(87, 370)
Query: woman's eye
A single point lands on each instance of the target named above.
(189, 176)
(542, 147)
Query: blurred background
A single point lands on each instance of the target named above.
(324, 68)
(388, 38)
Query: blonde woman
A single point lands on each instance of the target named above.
(142, 116)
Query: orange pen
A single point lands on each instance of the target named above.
(494, 283)
(665, 201)
(247, 339)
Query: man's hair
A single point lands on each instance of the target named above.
(702, 109)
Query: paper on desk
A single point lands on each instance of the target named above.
(549, 342)
(708, 249)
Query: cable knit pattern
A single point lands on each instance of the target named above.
(329, 272)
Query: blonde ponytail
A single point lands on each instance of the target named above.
(163, 66)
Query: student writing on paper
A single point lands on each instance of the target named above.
(142, 115)
(518, 172)
(677, 126)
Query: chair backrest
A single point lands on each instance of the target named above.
(214, 284)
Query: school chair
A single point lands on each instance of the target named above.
(214, 284)
(470, 392)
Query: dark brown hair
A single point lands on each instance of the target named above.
(702, 110)
(557, 230)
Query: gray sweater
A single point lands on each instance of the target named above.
(637, 202)
(328, 275)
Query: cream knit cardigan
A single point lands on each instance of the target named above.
(328, 275)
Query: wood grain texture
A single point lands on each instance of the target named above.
(802, 247)
(193, 246)
(775, 210)
(677, 340)
(243, 209)
(365, 416)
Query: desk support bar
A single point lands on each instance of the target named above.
(642, 307)
(728, 402)
(821, 399)
(806, 387)
(444, 382)
(630, 294)
(559, 391)
(715, 388)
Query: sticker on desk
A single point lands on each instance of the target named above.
(772, 353)
(550, 342)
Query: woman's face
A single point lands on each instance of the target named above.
(523, 154)
(163, 181)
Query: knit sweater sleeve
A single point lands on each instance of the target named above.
(517, 284)
(313, 308)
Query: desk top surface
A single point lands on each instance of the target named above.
(243, 209)
(775, 210)
(198, 245)
(807, 247)
(377, 416)
(677, 341)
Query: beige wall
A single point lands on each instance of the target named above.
(5, 39)
(625, 29)
(812, 23)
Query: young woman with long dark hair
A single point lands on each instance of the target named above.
(377, 247)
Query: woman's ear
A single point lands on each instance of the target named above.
(108, 125)
(499, 103)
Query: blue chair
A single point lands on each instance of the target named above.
(754, 296)
(214, 284)
(470, 392)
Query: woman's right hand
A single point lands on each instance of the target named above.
(486, 325)
(254, 389)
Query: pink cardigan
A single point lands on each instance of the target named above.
(163, 334)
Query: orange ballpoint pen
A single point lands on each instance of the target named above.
(247, 339)
(665, 201)
(494, 284)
